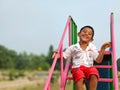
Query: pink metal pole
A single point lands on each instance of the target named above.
(56, 56)
(50, 73)
(61, 66)
(69, 33)
(63, 81)
(49, 86)
(114, 54)
(65, 73)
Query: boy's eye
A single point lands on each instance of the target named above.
(85, 31)
(90, 33)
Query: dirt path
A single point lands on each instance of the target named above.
(19, 83)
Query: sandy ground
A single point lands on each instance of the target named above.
(29, 80)
(24, 82)
(19, 83)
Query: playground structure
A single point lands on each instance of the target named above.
(108, 68)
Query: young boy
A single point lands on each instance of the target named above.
(83, 55)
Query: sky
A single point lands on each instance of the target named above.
(34, 25)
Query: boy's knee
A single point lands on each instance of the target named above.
(81, 81)
(93, 77)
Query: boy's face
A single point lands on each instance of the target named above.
(86, 35)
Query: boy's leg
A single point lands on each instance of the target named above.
(80, 84)
(93, 76)
(78, 77)
(93, 82)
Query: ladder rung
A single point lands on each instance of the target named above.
(103, 66)
(100, 80)
(107, 52)
(105, 80)
(69, 78)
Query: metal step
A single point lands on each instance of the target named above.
(103, 66)
(105, 80)
(100, 80)
(107, 52)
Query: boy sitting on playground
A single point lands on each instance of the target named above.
(83, 55)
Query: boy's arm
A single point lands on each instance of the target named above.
(102, 51)
(66, 53)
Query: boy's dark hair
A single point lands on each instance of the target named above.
(88, 27)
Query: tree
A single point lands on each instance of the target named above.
(43, 64)
(118, 64)
(22, 61)
(49, 55)
(7, 58)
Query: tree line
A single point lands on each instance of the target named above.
(10, 59)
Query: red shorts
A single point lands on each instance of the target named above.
(84, 72)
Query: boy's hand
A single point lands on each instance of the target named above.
(101, 53)
(106, 45)
(53, 56)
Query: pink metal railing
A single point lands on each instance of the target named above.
(115, 76)
(59, 50)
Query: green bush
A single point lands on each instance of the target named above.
(11, 74)
(14, 74)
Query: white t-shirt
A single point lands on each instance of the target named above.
(81, 57)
